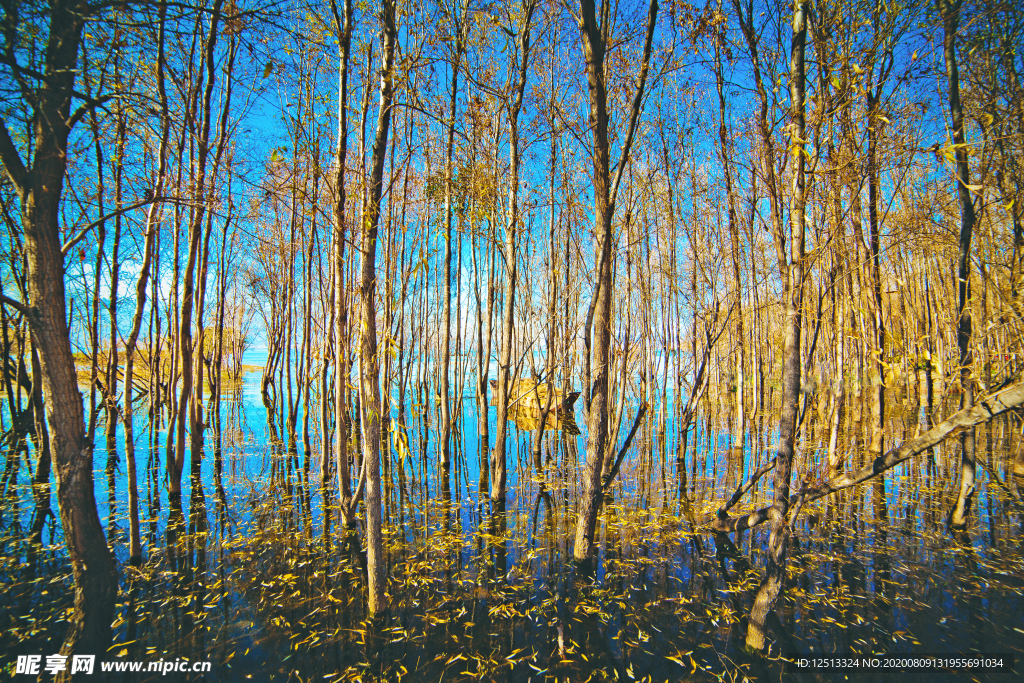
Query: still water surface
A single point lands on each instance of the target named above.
(247, 579)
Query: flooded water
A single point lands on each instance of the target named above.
(247, 579)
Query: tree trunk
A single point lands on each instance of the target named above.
(839, 378)
(369, 364)
(734, 237)
(41, 476)
(40, 187)
(110, 393)
(958, 516)
(152, 225)
(877, 326)
(135, 542)
(189, 401)
(343, 25)
(995, 404)
(498, 465)
(778, 542)
(445, 370)
(594, 39)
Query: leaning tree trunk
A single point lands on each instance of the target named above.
(990, 406)
(40, 186)
(778, 542)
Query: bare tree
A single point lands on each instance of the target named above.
(594, 36)
(38, 178)
(369, 362)
(778, 543)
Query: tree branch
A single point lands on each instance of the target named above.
(634, 114)
(982, 411)
(90, 104)
(742, 489)
(17, 305)
(70, 244)
(625, 447)
(11, 160)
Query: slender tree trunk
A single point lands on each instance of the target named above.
(445, 371)
(135, 543)
(877, 325)
(484, 342)
(498, 458)
(594, 37)
(958, 516)
(343, 25)
(369, 374)
(839, 378)
(152, 225)
(110, 393)
(778, 542)
(734, 236)
(187, 402)
(41, 476)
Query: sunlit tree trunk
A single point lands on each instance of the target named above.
(734, 237)
(778, 542)
(369, 365)
(445, 370)
(878, 73)
(498, 464)
(839, 378)
(343, 26)
(484, 342)
(594, 40)
(187, 408)
(110, 391)
(152, 228)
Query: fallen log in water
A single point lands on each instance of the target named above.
(984, 410)
(526, 402)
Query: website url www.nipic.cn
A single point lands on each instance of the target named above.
(86, 664)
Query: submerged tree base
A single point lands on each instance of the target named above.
(263, 594)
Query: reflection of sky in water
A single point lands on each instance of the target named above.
(248, 449)
(903, 586)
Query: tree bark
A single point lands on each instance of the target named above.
(594, 40)
(369, 364)
(958, 516)
(39, 188)
(778, 542)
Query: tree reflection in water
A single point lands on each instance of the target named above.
(250, 580)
